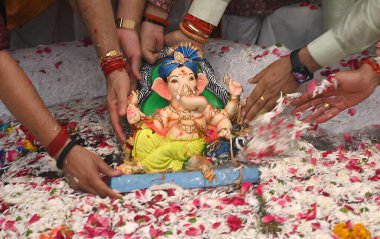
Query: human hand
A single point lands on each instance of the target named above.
(275, 78)
(152, 41)
(82, 168)
(117, 100)
(177, 36)
(352, 88)
(130, 45)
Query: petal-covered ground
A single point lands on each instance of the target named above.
(304, 195)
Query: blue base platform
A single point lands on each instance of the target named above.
(186, 179)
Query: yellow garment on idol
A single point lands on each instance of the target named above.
(157, 153)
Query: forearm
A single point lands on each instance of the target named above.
(131, 9)
(22, 100)
(99, 20)
(357, 30)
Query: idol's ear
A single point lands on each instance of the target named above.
(161, 88)
(202, 82)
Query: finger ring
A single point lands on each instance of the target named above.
(326, 105)
(262, 98)
(76, 180)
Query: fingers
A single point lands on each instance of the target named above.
(150, 56)
(257, 77)
(321, 109)
(100, 188)
(303, 99)
(269, 105)
(116, 123)
(252, 106)
(329, 114)
(307, 105)
(107, 170)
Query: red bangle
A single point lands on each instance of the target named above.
(156, 20)
(112, 66)
(58, 142)
(200, 24)
(374, 65)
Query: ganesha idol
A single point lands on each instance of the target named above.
(174, 137)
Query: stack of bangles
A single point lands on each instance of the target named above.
(58, 144)
(196, 29)
(112, 61)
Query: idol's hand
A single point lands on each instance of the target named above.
(130, 45)
(152, 41)
(271, 81)
(117, 100)
(177, 36)
(82, 168)
(234, 88)
(353, 87)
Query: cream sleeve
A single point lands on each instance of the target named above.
(210, 11)
(358, 29)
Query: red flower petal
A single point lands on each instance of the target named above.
(33, 219)
(234, 223)
(267, 218)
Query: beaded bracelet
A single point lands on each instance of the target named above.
(155, 20)
(64, 152)
(58, 142)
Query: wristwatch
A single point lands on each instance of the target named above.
(300, 71)
(127, 24)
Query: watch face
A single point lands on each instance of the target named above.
(301, 74)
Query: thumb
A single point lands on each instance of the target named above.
(107, 170)
(122, 102)
(135, 65)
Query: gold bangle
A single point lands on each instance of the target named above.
(127, 24)
(234, 97)
(191, 35)
(195, 30)
(112, 53)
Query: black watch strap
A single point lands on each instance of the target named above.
(295, 60)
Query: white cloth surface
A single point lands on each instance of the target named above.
(69, 71)
(293, 25)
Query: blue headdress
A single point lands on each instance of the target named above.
(184, 54)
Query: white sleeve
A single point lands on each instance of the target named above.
(358, 29)
(210, 11)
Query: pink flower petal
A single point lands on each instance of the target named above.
(351, 111)
(267, 218)
(311, 86)
(234, 223)
(33, 219)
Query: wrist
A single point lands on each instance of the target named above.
(156, 11)
(307, 60)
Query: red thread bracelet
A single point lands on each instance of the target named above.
(156, 20)
(58, 142)
(371, 63)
